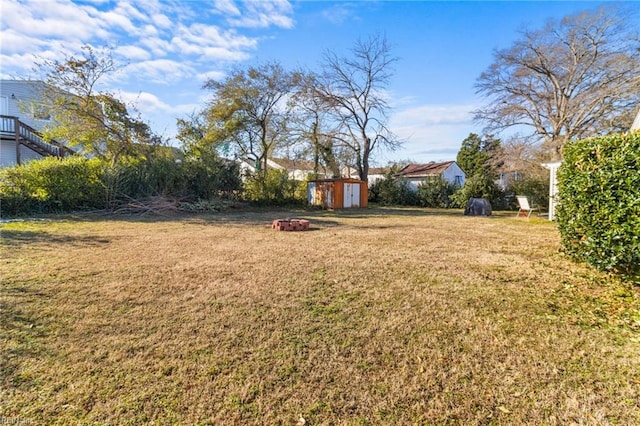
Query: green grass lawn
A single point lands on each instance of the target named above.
(376, 316)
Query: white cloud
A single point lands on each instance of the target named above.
(226, 7)
(432, 132)
(113, 20)
(263, 14)
(50, 19)
(133, 53)
(339, 13)
(434, 114)
(161, 21)
(157, 46)
(162, 71)
(145, 102)
(14, 42)
(210, 75)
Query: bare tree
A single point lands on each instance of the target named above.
(572, 79)
(352, 89)
(311, 128)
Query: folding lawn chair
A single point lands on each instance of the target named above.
(525, 208)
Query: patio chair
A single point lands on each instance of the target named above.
(525, 207)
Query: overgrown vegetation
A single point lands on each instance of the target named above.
(599, 207)
(275, 188)
(380, 316)
(54, 185)
(392, 191)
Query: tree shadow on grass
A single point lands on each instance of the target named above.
(252, 216)
(13, 238)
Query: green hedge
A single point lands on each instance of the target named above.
(52, 185)
(599, 202)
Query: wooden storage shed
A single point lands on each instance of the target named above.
(340, 193)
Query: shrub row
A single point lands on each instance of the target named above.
(439, 193)
(53, 185)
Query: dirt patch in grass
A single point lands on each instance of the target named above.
(379, 316)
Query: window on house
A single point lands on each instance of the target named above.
(458, 180)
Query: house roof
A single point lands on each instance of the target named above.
(424, 170)
(378, 170)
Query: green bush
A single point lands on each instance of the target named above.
(210, 177)
(52, 185)
(480, 185)
(535, 188)
(391, 191)
(436, 193)
(137, 178)
(598, 212)
(274, 188)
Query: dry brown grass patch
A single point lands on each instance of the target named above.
(382, 316)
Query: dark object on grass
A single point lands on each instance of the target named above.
(478, 207)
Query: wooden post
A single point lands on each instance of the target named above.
(16, 129)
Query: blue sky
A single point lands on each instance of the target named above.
(171, 47)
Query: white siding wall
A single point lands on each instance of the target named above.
(454, 171)
(414, 183)
(8, 154)
(16, 99)
(21, 95)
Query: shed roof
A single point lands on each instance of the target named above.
(424, 170)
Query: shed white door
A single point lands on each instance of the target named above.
(351, 195)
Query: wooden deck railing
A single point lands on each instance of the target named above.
(23, 134)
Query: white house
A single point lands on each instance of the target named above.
(296, 169)
(416, 174)
(21, 119)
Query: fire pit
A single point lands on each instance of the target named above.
(290, 224)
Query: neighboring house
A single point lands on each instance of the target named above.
(21, 120)
(416, 174)
(296, 169)
(506, 178)
(375, 174)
